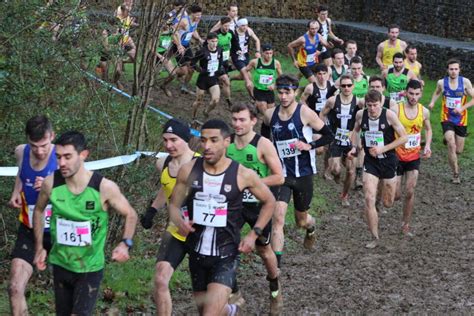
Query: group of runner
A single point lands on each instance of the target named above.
(239, 176)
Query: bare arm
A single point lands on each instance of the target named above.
(428, 133)
(324, 42)
(332, 35)
(469, 90)
(354, 133)
(399, 129)
(308, 90)
(323, 115)
(180, 192)
(271, 159)
(278, 68)
(257, 43)
(216, 27)
(295, 45)
(378, 57)
(15, 199)
(38, 222)
(310, 118)
(436, 94)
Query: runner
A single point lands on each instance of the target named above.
(351, 52)
(292, 126)
(414, 117)
(361, 81)
(315, 94)
(224, 41)
(338, 67)
(177, 13)
(340, 111)
(232, 14)
(36, 160)
(397, 78)
(185, 31)
(389, 47)
(240, 49)
(266, 70)
(455, 90)
(80, 202)
(325, 30)
(257, 153)
(307, 50)
(126, 23)
(212, 189)
(176, 136)
(378, 83)
(378, 126)
(208, 62)
(412, 63)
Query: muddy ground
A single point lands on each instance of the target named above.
(431, 272)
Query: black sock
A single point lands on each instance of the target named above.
(278, 254)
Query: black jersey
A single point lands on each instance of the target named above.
(317, 100)
(215, 205)
(209, 63)
(342, 120)
(377, 133)
(240, 42)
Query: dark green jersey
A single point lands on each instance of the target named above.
(78, 226)
(165, 42)
(264, 75)
(224, 42)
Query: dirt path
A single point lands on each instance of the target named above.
(431, 272)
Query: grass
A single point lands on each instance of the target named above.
(132, 282)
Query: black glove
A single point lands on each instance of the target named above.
(147, 218)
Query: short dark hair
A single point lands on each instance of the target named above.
(232, 4)
(37, 127)
(311, 22)
(74, 138)
(414, 84)
(351, 42)
(211, 35)
(336, 51)
(180, 3)
(217, 124)
(356, 60)
(453, 61)
(393, 26)
(287, 82)
(373, 96)
(398, 55)
(242, 106)
(377, 78)
(409, 47)
(225, 20)
(345, 77)
(322, 8)
(320, 68)
(195, 8)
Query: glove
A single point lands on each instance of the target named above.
(147, 219)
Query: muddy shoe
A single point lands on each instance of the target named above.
(328, 176)
(406, 231)
(371, 245)
(310, 238)
(276, 298)
(456, 179)
(185, 90)
(345, 200)
(166, 91)
(236, 299)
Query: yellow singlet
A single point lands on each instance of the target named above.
(388, 52)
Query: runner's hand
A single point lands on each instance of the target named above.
(352, 153)
(120, 253)
(15, 200)
(38, 183)
(375, 151)
(40, 259)
(185, 228)
(427, 152)
(295, 63)
(458, 111)
(302, 146)
(248, 243)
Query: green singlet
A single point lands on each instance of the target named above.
(361, 87)
(248, 156)
(264, 75)
(224, 42)
(397, 83)
(165, 42)
(78, 226)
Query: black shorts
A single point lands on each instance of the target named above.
(25, 244)
(172, 250)
(227, 67)
(308, 71)
(325, 55)
(302, 189)
(460, 131)
(336, 151)
(405, 166)
(207, 269)
(75, 293)
(182, 59)
(204, 82)
(264, 96)
(385, 168)
(239, 64)
(250, 212)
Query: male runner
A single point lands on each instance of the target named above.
(80, 202)
(414, 117)
(233, 14)
(172, 251)
(307, 50)
(212, 189)
(36, 160)
(224, 41)
(351, 52)
(397, 78)
(361, 81)
(325, 29)
(455, 90)
(338, 67)
(292, 126)
(185, 30)
(316, 94)
(341, 111)
(378, 83)
(257, 153)
(389, 47)
(266, 69)
(412, 63)
(378, 126)
(208, 62)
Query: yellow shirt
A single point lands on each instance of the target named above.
(415, 68)
(388, 52)
(410, 151)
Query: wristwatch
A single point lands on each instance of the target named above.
(258, 231)
(128, 242)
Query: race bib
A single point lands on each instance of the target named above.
(397, 96)
(414, 141)
(166, 43)
(47, 215)
(320, 104)
(266, 79)
(310, 58)
(225, 55)
(453, 103)
(342, 135)
(212, 67)
(248, 197)
(374, 139)
(287, 148)
(71, 233)
(188, 36)
(210, 210)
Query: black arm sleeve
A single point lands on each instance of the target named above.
(327, 138)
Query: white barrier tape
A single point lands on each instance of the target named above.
(97, 164)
